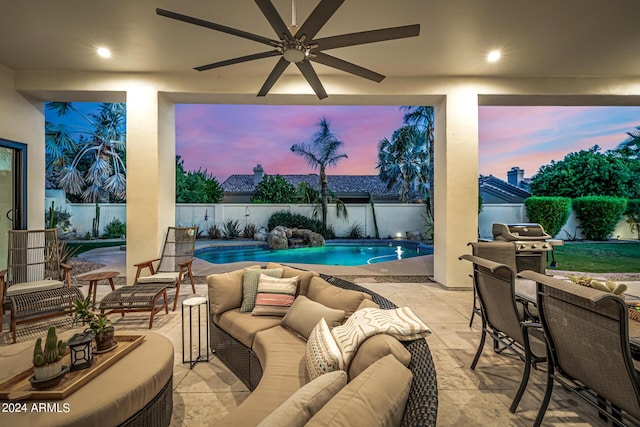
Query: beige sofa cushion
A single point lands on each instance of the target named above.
(332, 296)
(244, 326)
(377, 397)
(374, 349)
(281, 355)
(305, 314)
(304, 403)
(35, 286)
(367, 303)
(225, 290)
(250, 285)
(305, 276)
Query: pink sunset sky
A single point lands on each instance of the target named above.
(232, 139)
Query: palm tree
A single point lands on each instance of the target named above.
(308, 194)
(631, 146)
(90, 159)
(321, 153)
(424, 117)
(403, 160)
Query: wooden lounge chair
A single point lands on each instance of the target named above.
(587, 333)
(504, 320)
(174, 263)
(35, 285)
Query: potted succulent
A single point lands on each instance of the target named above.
(48, 363)
(98, 323)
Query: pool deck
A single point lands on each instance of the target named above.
(114, 259)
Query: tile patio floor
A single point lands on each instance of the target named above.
(466, 397)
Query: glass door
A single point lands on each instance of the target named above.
(12, 198)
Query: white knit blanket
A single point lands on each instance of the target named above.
(401, 323)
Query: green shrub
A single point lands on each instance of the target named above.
(57, 218)
(249, 231)
(599, 215)
(231, 229)
(550, 212)
(633, 215)
(115, 229)
(214, 232)
(293, 220)
(274, 189)
(355, 231)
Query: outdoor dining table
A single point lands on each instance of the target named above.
(526, 292)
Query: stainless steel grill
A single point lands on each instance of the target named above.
(532, 244)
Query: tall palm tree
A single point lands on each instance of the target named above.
(424, 118)
(321, 153)
(90, 159)
(403, 161)
(631, 146)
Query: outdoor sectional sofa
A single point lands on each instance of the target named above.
(268, 354)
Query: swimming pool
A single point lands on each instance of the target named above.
(335, 252)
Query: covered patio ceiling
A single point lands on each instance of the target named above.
(546, 38)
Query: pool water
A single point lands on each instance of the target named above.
(334, 253)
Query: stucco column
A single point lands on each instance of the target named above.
(456, 185)
(150, 174)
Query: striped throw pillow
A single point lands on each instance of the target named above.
(250, 285)
(322, 354)
(275, 295)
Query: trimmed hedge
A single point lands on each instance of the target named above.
(550, 212)
(599, 215)
(633, 215)
(291, 220)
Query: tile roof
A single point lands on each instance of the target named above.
(502, 189)
(336, 183)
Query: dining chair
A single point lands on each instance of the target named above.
(500, 252)
(504, 320)
(587, 333)
(174, 264)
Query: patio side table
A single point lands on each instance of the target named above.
(198, 303)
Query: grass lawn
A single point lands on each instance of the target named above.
(618, 257)
(94, 244)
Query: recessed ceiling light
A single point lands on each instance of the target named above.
(494, 56)
(104, 52)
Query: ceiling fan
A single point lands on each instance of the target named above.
(299, 45)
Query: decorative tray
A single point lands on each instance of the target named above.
(18, 386)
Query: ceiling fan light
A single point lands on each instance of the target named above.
(294, 52)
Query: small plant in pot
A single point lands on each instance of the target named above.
(98, 323)
(48, 363)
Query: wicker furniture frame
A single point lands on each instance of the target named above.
(136, 298)
(36, 306)
(177, 256)
(587, 333)
(422, 405)
(157, 412)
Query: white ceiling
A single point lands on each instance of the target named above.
(538, 38)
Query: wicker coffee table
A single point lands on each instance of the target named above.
(136, 298)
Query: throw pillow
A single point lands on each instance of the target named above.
(274, 296)
(304, 403)
(225, 290)
(322, 355)
(400, 323)
(305, 314)
(305, 276)
(250, 285)
(377, 397)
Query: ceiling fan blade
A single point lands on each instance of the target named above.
(312, 78)
(217, 27)
(238, 60)
(364, 37)
(340, 64)
(319, 17)
(274, 76)
(274, 18)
